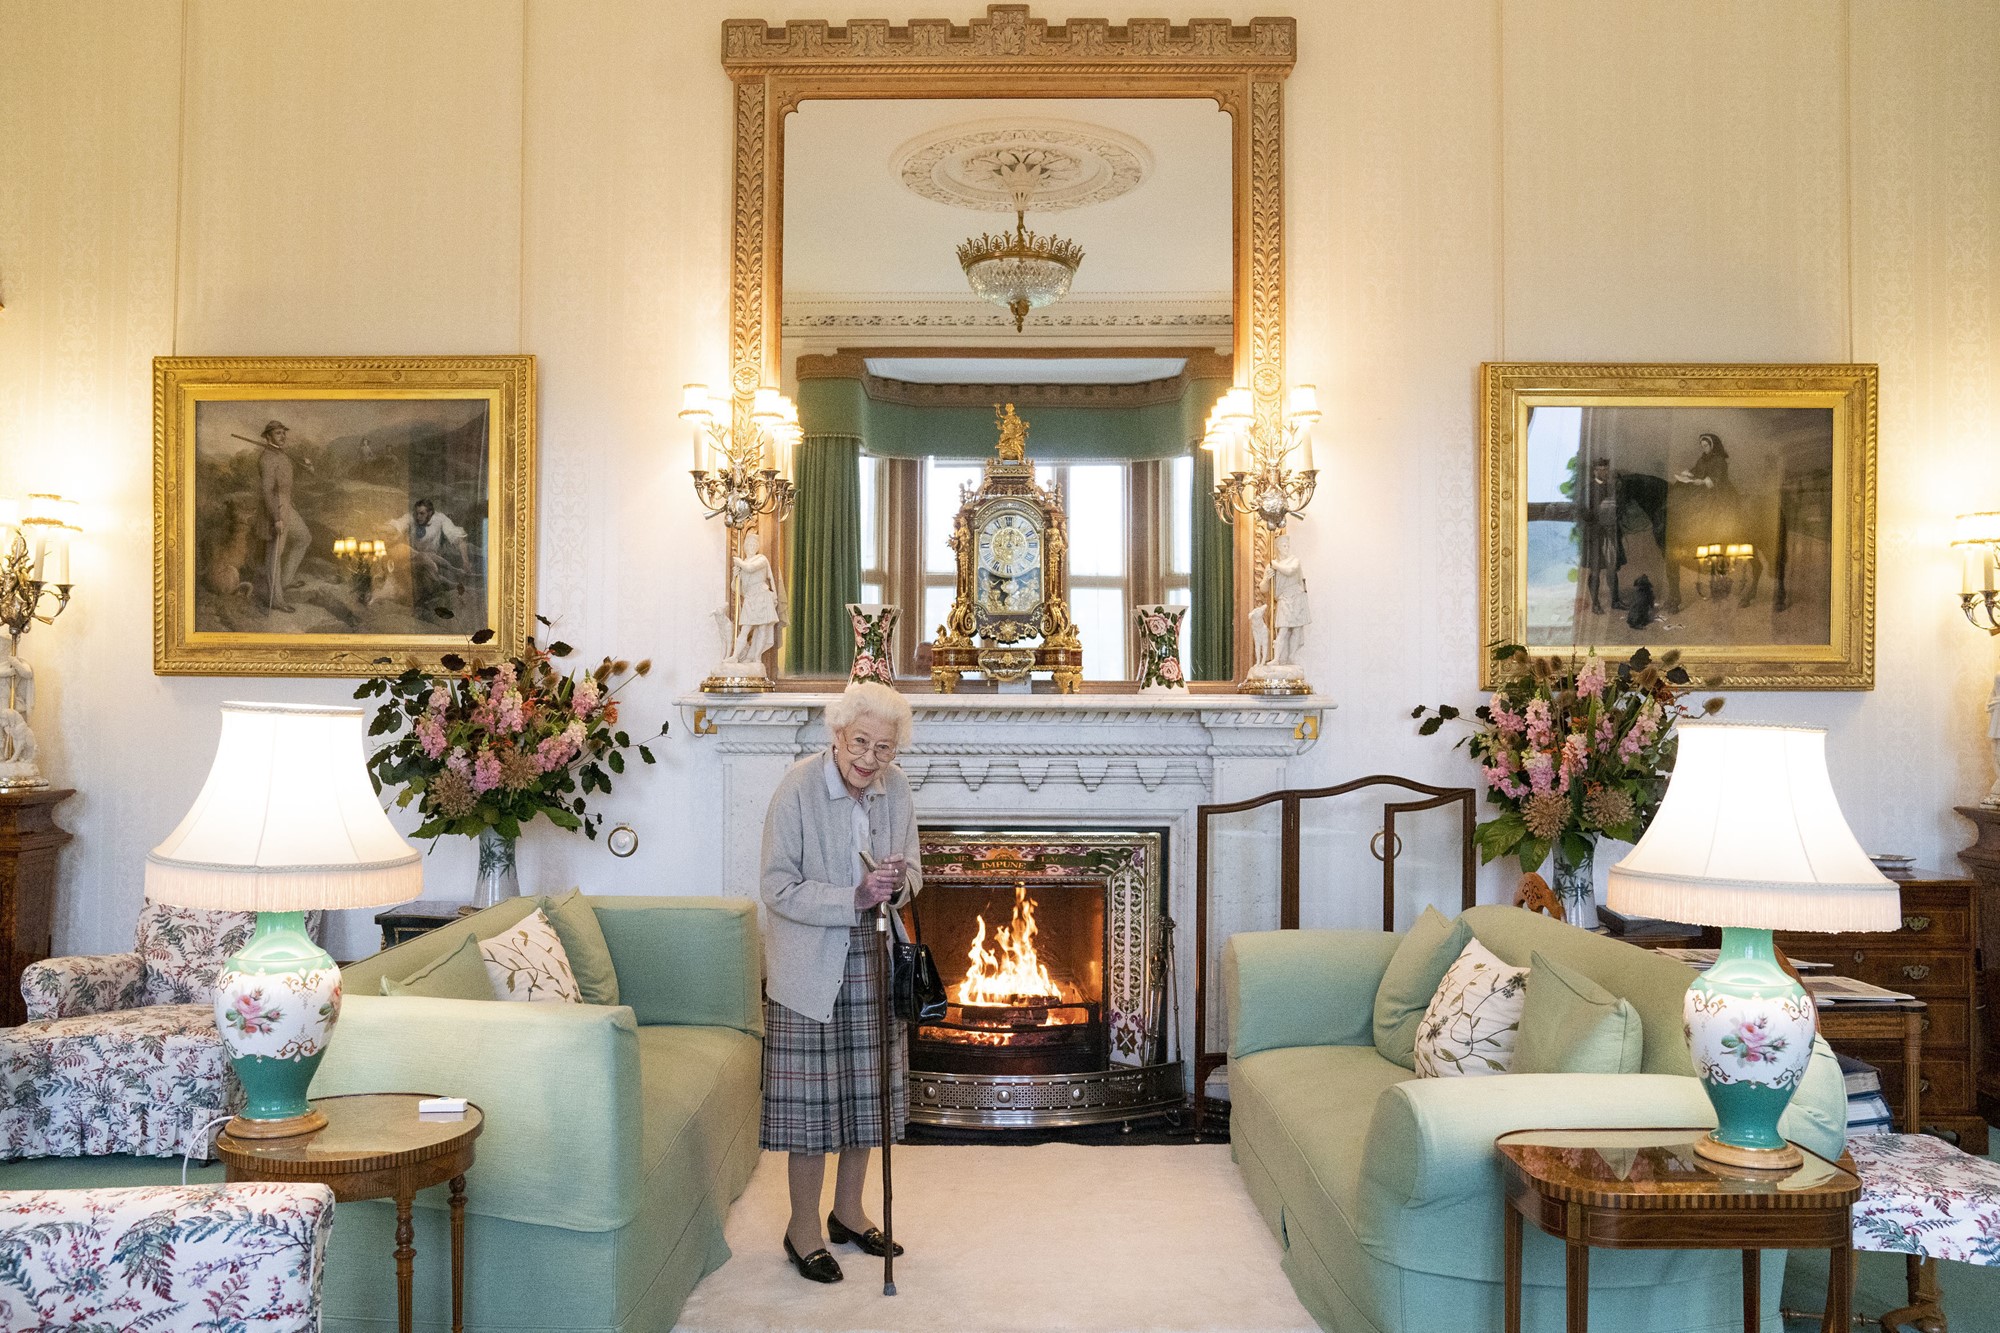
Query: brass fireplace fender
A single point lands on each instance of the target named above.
(1009, 53)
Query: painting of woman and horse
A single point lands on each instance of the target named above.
(1678, 525)
(1724, 510)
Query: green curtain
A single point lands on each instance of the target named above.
(826, 555)
(1212, 637)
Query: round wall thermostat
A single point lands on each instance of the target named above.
(622, 840)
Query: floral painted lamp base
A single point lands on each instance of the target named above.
(276, 1001)
(1750, 1034)
(1160, 648)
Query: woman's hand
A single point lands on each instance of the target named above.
(878, 884)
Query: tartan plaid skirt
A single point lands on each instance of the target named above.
(822, 1081)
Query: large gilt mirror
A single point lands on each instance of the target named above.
(1081, 220)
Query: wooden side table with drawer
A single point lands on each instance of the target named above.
(1933, 956)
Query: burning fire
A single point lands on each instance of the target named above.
(1009, 973)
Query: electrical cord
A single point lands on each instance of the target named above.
(199, 1136)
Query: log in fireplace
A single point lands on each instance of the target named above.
(1056, 954)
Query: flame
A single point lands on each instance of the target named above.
(1009, 973)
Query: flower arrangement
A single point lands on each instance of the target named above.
(493, 745)
(1573, 750)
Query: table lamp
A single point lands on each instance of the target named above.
(1750, 838)
(286, 822)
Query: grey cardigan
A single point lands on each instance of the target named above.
(810, 870)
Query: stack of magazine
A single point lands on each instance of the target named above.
(1867, 1109)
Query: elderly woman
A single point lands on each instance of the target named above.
(823, 1042)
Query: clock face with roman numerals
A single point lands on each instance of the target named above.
(1007, 564)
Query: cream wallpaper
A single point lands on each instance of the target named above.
(1522, 179)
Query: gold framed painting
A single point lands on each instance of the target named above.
(315, 515)
(1724, 510)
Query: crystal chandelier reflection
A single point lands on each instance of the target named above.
(1020, 270)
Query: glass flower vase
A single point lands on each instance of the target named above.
(498, 876)
(1575, 885)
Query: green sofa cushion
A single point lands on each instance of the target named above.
(459, 975)
(582, 939)
(1412, 978)
(1572, 1025)
(688, 960)
(1656, 986)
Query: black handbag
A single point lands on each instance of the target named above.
(916, 991)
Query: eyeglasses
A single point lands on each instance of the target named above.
(858, 748)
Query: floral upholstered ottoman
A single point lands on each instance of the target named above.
(140, 1081)
(1924, 1198)
(240, 1257)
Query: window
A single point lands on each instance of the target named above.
(1129, 533)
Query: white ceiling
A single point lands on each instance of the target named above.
(853, 229)
(1026, 370)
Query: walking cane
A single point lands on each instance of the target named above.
(888, 1014)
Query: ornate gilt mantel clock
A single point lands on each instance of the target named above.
(1011, 616)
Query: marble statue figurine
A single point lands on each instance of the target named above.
(1992, 801)
(17, 700)
(1277, 638)
(759, 612)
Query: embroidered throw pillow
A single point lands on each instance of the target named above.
(527, 962)
(1474, 1018)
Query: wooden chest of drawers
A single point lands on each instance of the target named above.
(1935, 957)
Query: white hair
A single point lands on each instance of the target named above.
(867, 698)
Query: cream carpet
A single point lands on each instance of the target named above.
(1046, 1239)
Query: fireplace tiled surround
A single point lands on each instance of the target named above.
(1033, 763)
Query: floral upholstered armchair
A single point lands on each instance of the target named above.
(243, 1257)
(120, 1052)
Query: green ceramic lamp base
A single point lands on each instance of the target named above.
(1750, 1034)
(276, 1000)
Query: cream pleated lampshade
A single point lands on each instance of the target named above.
(1750, 834)
(287, 821)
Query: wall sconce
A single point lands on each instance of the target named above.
(1720, 564)
(742, 471)
(1265, 470)
(35, 586)
(1978, 537)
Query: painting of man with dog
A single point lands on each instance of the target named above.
(280, 487)
(312, 524)
(1726, 511)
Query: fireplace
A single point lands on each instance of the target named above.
(1055, 950)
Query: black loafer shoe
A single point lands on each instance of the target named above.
(870, 1240)
(819, 1266)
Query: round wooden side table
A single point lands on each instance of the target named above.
(376, 1146)
(1645, 1189)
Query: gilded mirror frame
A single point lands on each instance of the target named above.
(1011, 54)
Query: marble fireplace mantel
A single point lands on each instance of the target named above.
(1038, 760)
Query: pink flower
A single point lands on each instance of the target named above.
(1505, 720)
(1541, 727)
(439, 701)
(552, 753)
(485, 771)
(1590, 682)
(1541, 771)
(1607, 731)
(864, 665)
(1170, 670)
(430, 735)
(584, 702)
(1156, 624)
(1575, 754)
(460, 762)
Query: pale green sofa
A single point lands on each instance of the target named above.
(615, 1137)
(1384, 1190)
